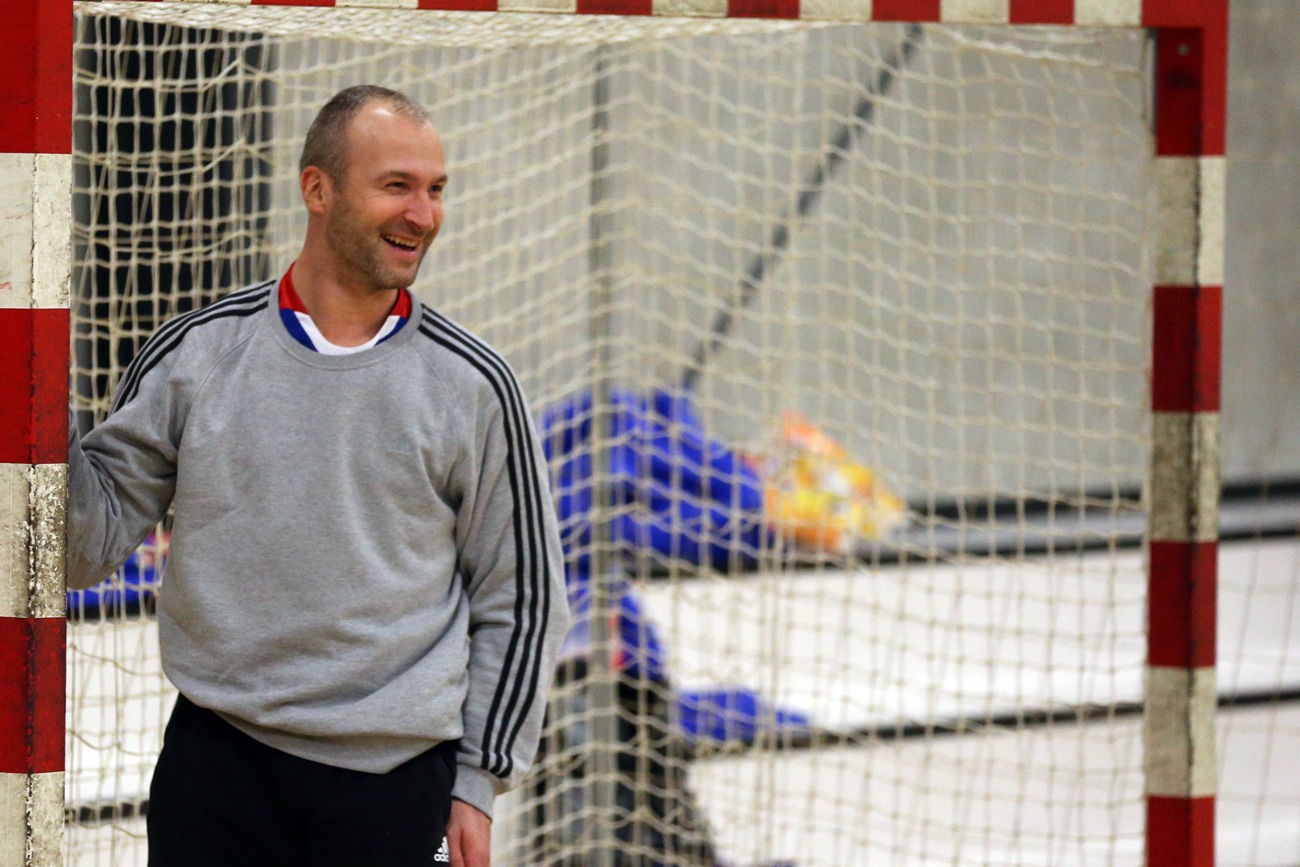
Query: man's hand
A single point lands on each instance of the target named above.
(469, 836)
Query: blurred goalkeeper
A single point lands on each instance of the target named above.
(364, 594)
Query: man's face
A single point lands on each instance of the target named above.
(387, 208)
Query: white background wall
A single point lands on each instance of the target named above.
(1261, 366)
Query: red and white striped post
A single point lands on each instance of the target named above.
(35, 261)
(1190, 83)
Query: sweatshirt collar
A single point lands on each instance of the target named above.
(298, 322)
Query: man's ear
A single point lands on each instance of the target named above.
(316, 187)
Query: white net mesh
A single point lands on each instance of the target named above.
(956, 298)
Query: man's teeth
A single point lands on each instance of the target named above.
(405, 245)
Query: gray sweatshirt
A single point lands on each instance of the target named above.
(364, 560)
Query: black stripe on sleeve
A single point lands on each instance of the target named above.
(495, 759)
(532, 564)
(499, 744)
(243, 303)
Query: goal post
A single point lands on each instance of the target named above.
(798, 216)
(1190, 126)
(35, 175)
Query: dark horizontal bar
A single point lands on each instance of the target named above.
(816, 739)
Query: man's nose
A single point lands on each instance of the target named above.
(421, 213)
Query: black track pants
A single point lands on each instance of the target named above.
(221, 799)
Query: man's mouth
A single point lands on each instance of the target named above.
(401, 243)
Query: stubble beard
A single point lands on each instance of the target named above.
(361, 252)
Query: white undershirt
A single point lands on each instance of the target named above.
(324, 347)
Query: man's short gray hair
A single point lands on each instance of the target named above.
(326, 144)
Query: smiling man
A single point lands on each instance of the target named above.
(364, 593)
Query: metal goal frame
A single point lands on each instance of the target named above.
(1189, 83)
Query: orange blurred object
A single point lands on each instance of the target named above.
(819, 497)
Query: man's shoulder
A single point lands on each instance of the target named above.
(231, 312)
(462, 356)
(197, 335)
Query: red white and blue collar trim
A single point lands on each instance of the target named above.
(298, 322)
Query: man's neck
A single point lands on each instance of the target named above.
(345, 315)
